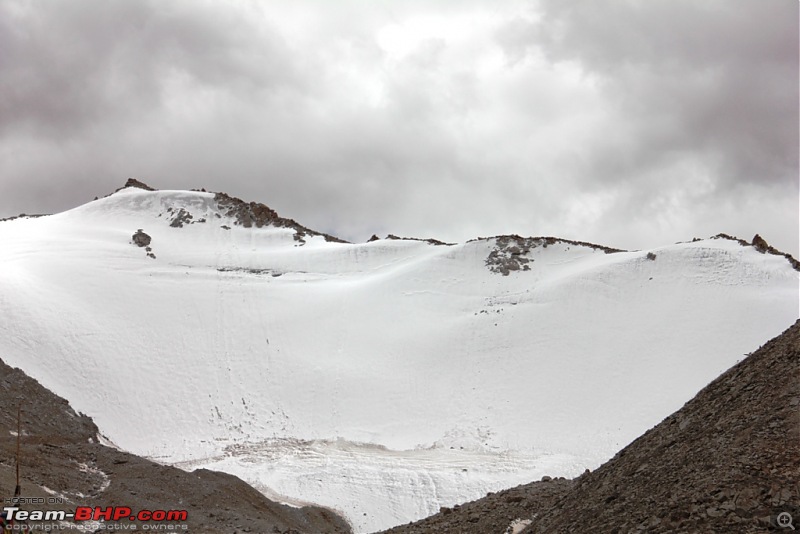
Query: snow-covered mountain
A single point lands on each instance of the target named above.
(383, 379)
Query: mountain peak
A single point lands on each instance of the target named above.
(133, 182)
(181, 210)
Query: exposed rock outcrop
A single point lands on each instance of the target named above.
(133, 182)
(141, 239)
(760, 244)
(511, 251)
(180, 217)
(249, 214)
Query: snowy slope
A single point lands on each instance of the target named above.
(383, 379)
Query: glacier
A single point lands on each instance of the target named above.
(382, 379)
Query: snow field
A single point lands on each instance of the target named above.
(366, 377)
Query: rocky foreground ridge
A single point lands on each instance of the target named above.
(728, 461)
(61, 457)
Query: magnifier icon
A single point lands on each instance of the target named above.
(785, 520)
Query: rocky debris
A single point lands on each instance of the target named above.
(498, 513)
(651, 256)
(510, 251)
(373, 238)
(60, 456)
(259, 215)
(141, 239)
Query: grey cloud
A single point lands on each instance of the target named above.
(72, 65)
(689, 77)
(606, 121)
(700, 102)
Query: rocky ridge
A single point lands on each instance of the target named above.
(760, 244)
(430, 240)
(248, 214)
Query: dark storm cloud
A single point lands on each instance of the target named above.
(629, 123)
(69, 65)
(712, 81)
(94, 91)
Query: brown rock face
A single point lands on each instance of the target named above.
(133, 182)
(760, 244)
(249, 214)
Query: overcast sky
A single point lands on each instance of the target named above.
(628, 123)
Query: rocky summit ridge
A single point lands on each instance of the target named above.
(508, 256)
(245, 214)
(510, 253)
